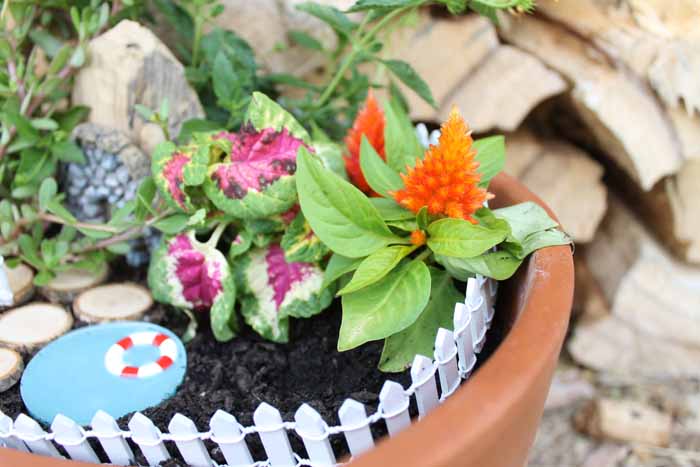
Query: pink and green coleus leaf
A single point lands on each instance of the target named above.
(274, 290)
(300, 244)
(187, 273)
(263, 113)
(175, 169)
(257, 178)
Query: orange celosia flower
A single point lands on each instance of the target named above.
(446, 180)
(369, 122)
(418, 237)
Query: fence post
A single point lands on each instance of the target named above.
(11, 442)
(225, 427)
(191, 446)
(28, 429)
(68, 434)
(148, 437)
(110, 435)
(313, 431)
(476, 303)
(273, 435)
(394, 403)
(423, 376)
(352, 414)
(446, 356)
(464, 339)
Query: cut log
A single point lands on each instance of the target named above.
(445, 52)
(67, 284)
(129, 65)
(604, 98)
(112, 302)
(21, 281)
(576, 194)
(655, 300)
(31, 326)
(502, 90)
(11, 367)
(624, 420)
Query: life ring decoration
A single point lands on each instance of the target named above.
(114, 358)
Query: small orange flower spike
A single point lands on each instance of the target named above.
(369, 122)
(446, 180)
(418, 237)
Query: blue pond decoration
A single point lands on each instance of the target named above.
(117, 367)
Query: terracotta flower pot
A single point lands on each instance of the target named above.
(492, 419)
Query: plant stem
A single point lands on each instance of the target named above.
(216, 235)
(198, 25)
(356, 49)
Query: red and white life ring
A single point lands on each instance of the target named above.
(114, 358)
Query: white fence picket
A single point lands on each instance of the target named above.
(29, 430)
(10, 441)
(446, 356)
(463, 337)
(117, 449)
(423, 377)
(148, 437)
(273, 436)
(353, 418)
(186, 438)
(228, 435)
(477, 307)
(313, 431)
(394, 402)
(70, 435)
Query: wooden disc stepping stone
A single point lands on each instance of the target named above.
(32, 326)
(113, 302)
(115, 367)
(68, 284)
(21, 281)
(11, 366)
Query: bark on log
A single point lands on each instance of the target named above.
(576, 193)
(605, 97)
(654, 327)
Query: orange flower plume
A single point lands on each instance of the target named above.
(369, 122)
(446, 180)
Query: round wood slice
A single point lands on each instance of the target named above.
(11, 367)
(68, 284)
(112, 302)
(21, 280)
(31, 326)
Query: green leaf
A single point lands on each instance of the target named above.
(196, 125)
(539, 240)
(362, 5)
(455, 6)
(305, 40)
(491, 155)
(55, 207)
(226, 85)
(332, 16)
(337, 267)
(46, 41)
(499, 265)
(525, 219)
(410, 78)
(377, 265)
(44, 124)
(379, 176)
(485, 10)
(43, 278)
(95, 234)
(144, 198)
(173, 224)
(70, 118)
(195, 171)
(120, 248)
(423, 218)
(462, 239)
(390, 210)
(386, 307)
(340, 214)
(419, 338)
(68, 151)
(402, 146)
(47, 191)
(29, 250)
(331, 155)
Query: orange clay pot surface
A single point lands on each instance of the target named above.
(492, 419)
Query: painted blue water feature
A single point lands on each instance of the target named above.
(118, 367)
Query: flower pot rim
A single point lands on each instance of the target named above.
(469, 423)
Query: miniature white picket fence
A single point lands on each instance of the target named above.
(455, 357)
